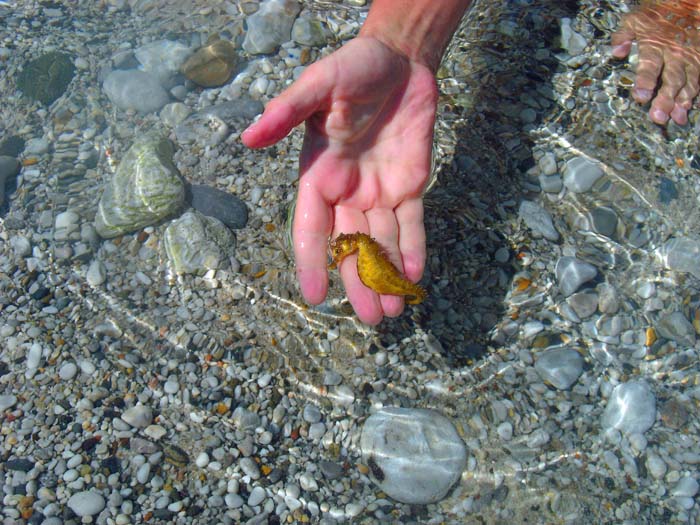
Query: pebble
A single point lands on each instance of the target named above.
(96, 274)
(631, 408)
(257, 496)
(538, 220)
(580, 174)
(311, 413)
(68, 371)
(135, 90)
(572, 273)
(687, 487)
(139, 416)
(7, 401)
(221, 205)
(561, 367)
(87, 503)
(9, 168)
(415, 455)
(682, 254)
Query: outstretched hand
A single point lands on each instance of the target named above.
(369, 114)
(669, 56)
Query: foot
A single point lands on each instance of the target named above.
(669, 56)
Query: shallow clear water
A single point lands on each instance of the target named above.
(242, 336)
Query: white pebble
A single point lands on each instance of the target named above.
(68, 371)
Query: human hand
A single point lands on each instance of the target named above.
(365, 161)
(669, 54)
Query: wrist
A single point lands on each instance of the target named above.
(418, 29)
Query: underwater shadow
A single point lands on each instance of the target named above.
(504, 93)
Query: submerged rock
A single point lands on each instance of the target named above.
(560, 367)
(221, 205)
(211, 65)
(631, 408)
(414, 455)
(581, 173)
(146, 189)
(135, 89)
(47, 77)
(572, 273)
(196, 243)
(270, 26)
(9, 168)
(538, 220)
(681, 254)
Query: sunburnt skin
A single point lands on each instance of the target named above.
(375, 269)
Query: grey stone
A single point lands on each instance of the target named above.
(221, 205)
(572, 273)
(682, 254)
(196, 243)
(135, 89)
(414, 455)
(210, 126)
(145, 189)
(309, 32)
(631, 408)
(604, 221)
(9, 168)
(270, 26)
(87, 503)
(560, 367)
(676, 327)
(580, 174)
(538, 220)
(584, 303)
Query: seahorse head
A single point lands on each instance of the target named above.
(342, 246)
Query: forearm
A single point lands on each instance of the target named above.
(420, 29)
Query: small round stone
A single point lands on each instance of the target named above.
(68, 371)
(560, 367)
(87, 503)
(631, 408)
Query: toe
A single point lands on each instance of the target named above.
(648, 71)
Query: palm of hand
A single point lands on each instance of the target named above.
(369, 116)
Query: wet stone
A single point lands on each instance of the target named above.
(667, 190)
(270, 26)
(561, 367)
(677, 328)
(631, 408)
(139, 416)
(572, 273)
(682, 254)
(196, 243)
(583, 303)
(135, 89)
(414, 455)
(145, 189)
(673, 414)
(538, 220)
(9, 169)
(46, 78)
(211, 65)
(87, 503)
(580, 174)
(221, 205)
(19, 464)
(604, 221)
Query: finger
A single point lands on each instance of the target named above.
(648, 71)
(364, 300)
(685, 97)
(672, 81)
(385, 230)
(310, 230)
(298, 102)
(621, 42)
(409, 215)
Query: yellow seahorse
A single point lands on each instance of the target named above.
(375, 269)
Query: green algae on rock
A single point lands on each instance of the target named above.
(47, 77)
(146, 188)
